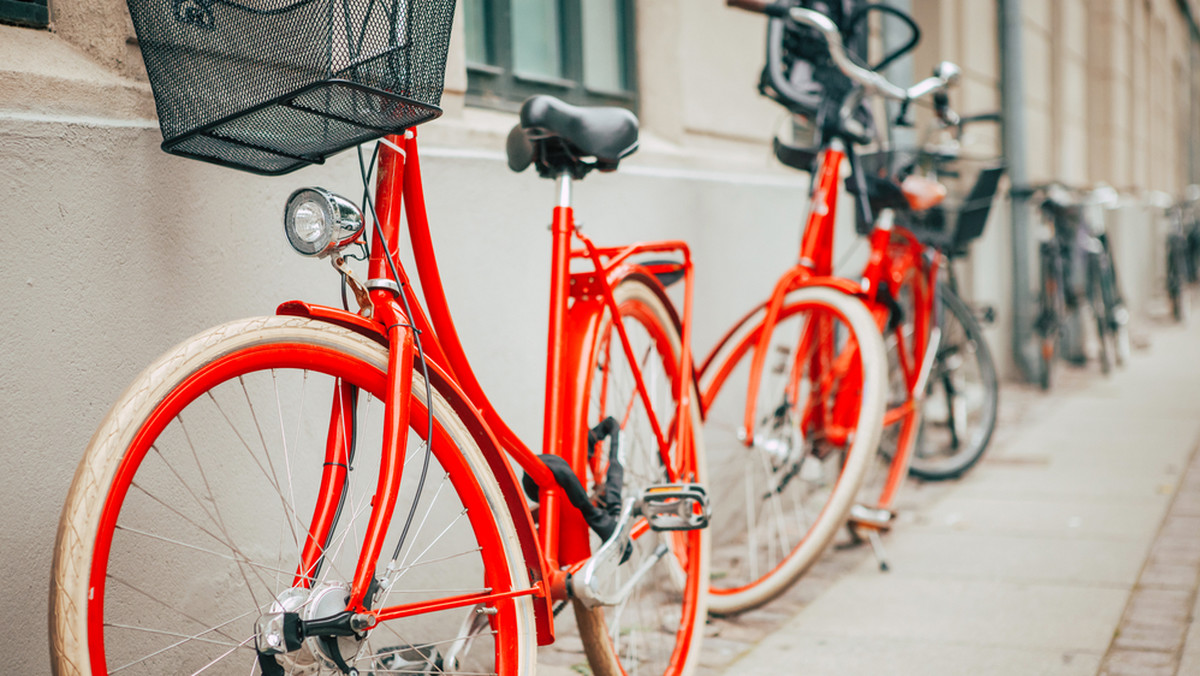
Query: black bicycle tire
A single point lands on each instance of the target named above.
(1047, 329)
(1098, 301)
(987, 369)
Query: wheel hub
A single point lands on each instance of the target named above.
(314, 652)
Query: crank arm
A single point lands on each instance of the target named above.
(592, 585)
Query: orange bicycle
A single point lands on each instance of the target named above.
(800, 392)
(329, 490)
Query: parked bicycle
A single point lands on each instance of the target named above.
(1077, 281)
(1179, 261)
(961, 404)
(799, 477)
(1191, 226)
(329, 490)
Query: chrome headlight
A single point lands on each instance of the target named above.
(318, 222)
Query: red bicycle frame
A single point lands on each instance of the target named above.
(578, 300)
(898, 260)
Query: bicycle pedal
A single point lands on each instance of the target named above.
(409, 660)
(669, 507)
(875, 518)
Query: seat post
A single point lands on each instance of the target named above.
(563, 185)
(554, 432)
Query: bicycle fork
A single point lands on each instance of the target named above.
(308, 615)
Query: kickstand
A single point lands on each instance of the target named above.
(873, 538)
(877, 547)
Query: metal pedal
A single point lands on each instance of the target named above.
(666, 507)
(409, 660)
(874, 521)
(873, 518)
(670, 507)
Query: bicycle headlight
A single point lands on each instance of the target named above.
(318, 222)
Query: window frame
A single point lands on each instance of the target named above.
(28, 13)
(498, 85)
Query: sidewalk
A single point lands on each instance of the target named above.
(1074, 548)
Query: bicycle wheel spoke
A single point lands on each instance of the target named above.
(819, 383)
(214, 495)
(220, 522)
(186, 639)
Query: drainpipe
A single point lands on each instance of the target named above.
(1012, 93)
(1194, 104)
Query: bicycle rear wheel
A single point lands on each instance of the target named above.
(1051, 310)
(1098, 300)
(820, 409)
(187, 515)
(657, 629)
(958, 415)
(1176, 267)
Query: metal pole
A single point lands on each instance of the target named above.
(1013, 95)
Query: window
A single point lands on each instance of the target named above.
(578, 50)
(25, 12)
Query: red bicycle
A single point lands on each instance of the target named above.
(808, 462)
(234, 513)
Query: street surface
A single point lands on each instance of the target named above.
(1072, 549)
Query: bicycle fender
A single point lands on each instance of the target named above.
(347, 320)
(844, 285)
(748, 329)
(484, 438)
(839, 283)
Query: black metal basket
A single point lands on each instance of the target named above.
(971, 182)
(269, 86)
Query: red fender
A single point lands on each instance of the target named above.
(796, 278)
(514, 497)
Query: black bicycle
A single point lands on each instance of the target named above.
(1178, 262)
(962, 397)
(1077, 278)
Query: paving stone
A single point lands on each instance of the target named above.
(1159, 607)
(1138, 663)
(1177, 553)
(1190, 661)
(1161, 575)
(1163, 637)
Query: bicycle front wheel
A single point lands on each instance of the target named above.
(819, 415)
(961, 400)
(187, 517)
(658, 627)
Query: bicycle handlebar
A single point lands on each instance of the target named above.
(768, 7)
(944, 75)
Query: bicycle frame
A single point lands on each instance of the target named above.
(896, 259)
(578, 300)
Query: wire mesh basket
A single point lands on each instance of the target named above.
(269, 86)
(971, 185)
